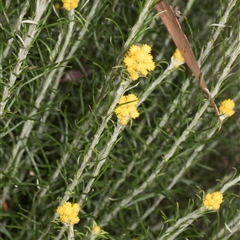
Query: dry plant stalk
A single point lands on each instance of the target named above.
(171, 22)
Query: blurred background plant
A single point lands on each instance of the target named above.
(62, 75)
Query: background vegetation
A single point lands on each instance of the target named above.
(60, 140)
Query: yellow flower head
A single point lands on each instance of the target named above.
(70, 4)
(127, 108)
(227, 107)
(139, 61)
(177, 59)
(97, 232)
(96, 229)
(213, 200)
(57, 5)
(68, 213)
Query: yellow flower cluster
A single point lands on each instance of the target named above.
(177, 59)
(213, 200)
(68, 213)
(70, 4)
(139, 61)
(227, 107)
(127, 108)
